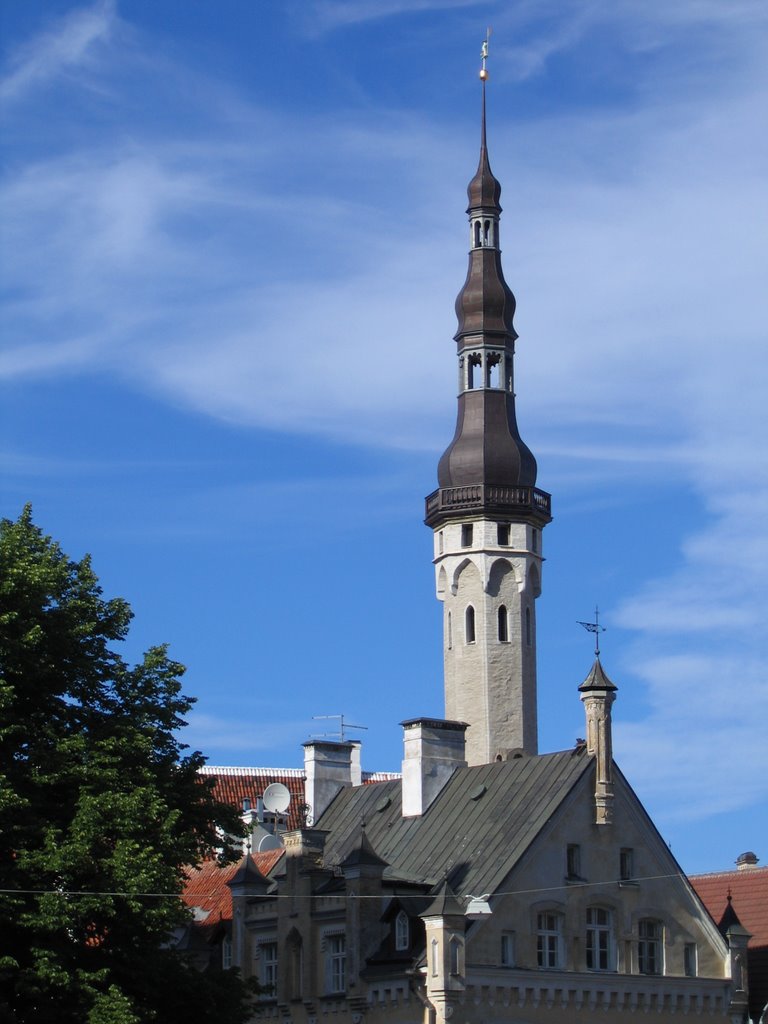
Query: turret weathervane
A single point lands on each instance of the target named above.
(596, 628)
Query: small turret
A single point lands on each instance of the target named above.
(598, 693)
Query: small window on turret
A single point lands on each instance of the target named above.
(534, 539)
(487, 239)
(477, 234)
(528, 627)
(502, 534)
(466, 535)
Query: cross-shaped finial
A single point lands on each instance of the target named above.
(596, 628)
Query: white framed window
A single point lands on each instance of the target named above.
(549, 939)
(268, 967)
(402, 931)
(507, 949)
(336, 962)
(600, 944)
(650, 946)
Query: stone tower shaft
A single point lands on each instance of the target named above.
(487, 513)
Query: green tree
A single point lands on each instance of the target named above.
(101, 808)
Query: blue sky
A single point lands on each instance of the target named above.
(232, 238)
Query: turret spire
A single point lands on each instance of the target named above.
(487, 513)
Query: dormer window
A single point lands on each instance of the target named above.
(402, 931)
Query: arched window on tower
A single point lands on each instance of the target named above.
(503, 624)
(476, 238)
(493, 370)
(487, 235)
(469, 625)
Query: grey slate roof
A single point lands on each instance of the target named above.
(473, 843)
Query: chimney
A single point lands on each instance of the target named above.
(434, 749)
(598, 693)
(329, 767)
(747, 860)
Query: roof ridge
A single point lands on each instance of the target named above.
(212, 769)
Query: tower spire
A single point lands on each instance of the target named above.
(487, 512)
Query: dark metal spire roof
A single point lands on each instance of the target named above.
(487, 459)
(597, 679)
(484, 190)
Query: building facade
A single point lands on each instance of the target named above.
(488, 882)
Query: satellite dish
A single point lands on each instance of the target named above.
(269, 843)
(276, 798)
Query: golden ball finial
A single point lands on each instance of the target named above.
(483, 75)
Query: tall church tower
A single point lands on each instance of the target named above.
(487, 514)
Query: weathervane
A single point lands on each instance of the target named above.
(596, 628)
(484, 55)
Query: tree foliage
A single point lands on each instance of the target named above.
(101, 808)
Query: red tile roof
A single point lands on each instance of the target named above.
(208, 894)
(233, 785)
(749, 894)
(749, 890)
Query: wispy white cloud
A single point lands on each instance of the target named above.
(60, 49)
(632, 239)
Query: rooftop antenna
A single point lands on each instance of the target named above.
(341, 733)
(596, 628)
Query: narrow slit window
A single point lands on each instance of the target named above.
(573, 860)
(528, 627)
(450, 632)
(455, 955)
(503, 624)
(469, 624)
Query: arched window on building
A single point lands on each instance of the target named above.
(469, 625)
(549, 939)
(600, 944)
